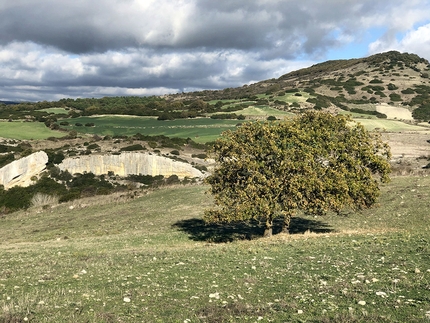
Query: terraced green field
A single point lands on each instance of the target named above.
(198, 129)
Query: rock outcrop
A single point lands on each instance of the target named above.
(20, 172)
(129, 163)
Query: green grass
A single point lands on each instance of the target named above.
(264, 111)
(56, 110)
(291, 97)
(152, 260)
(26, 130)
(389, 125)
(198, 129)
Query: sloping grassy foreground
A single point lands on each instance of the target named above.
(152, 260)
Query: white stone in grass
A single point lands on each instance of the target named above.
(127, 299)
(214, 295)
(300, 312)
(362, 303)
(382, 294)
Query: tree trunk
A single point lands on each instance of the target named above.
(286, 225)
(268, 230)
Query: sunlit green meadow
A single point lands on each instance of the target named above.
(390, 125)
(56, 110)
(26, 130)
(151, 259)
(266, 111)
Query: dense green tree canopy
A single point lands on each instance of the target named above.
(314, 163)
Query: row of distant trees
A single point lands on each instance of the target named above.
(140, 106)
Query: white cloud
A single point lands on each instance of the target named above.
(417, 41)
(103, 47)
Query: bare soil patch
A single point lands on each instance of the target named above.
(393, 112)
(410, 145)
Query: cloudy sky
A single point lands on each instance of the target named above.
(53, 49)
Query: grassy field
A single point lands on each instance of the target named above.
(265, 112)
(151, 259)
(390, 125)
(26, 130)
(292, 97)
(204, 129)
(56, 110)
(198, 129)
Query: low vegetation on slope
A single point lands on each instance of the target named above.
(153, 260)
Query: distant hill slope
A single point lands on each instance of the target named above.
(7, 102)
(388, 78)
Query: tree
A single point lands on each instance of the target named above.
(314, 163)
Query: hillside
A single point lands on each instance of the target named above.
(152, 259)
(389, 78)
(386, 92)
(87, 247)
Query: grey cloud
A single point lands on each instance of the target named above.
(97, 26)
(105, 47)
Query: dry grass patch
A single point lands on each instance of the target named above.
(44, 200)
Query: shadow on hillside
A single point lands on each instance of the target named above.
(198, 230)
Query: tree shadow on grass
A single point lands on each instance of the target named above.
(198, 230)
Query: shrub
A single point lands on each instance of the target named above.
(408, 91)
(6, 159)
(165, 116)
(175, 152)
(395, 97)
(224, 116)
(15, 198)
(54, 157)
(173, 179)
(152, 144)
(200, 156)
(133, 147)
(70, 196)
(93, 146)
(146, 179)
(392, 87)
(201, 168)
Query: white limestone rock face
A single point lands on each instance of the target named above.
(20, 172)
(129, 163)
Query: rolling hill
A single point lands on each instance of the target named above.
(391, 78)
